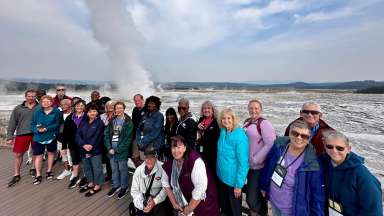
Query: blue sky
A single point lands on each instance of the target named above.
(201, 40)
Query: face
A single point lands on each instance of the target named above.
(227, 121)
(207, 111)
(119, 110)
(310, 114)
(171, 118)
(79, 108)
(46, 103)
(151, 106)
(183, 109)
(178, 150)
(30, 97)
(109, 108)
(337, 150)
(299, 137)
(95, 96)
(138, 101)
(254, 110)
(92, 114)
(60, 91)
(65, 106)
(150, 162)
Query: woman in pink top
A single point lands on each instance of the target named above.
(261, 136)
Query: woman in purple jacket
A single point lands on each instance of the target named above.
(261, 136)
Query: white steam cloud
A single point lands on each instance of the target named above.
(113, 27)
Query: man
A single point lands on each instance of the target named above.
(137, 112)
(311, 114)
(60, 95)
(20, 122)
(187, 126)
(95, 99)
(66, 110)
(149, 198)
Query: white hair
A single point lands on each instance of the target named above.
(311, 103)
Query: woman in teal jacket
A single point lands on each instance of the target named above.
(350, 188)
(232, 163)
(118, 139)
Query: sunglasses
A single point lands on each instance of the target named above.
(338, 148)
(297, 134)
(60, 89)
(182, 108)
(313, 112)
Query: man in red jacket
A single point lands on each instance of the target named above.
(60, 95)
(311, 113)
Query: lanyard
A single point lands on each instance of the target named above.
(284, 154)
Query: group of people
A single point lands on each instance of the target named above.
(197, 166)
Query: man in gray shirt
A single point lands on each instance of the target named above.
(20, 122)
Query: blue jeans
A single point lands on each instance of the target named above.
(93, 169)
(277, 212)
(255, 200)
(119, 172)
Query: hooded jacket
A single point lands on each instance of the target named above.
(353, 186)
(125, 138)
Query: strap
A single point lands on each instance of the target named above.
(258, 125)
(147, 192)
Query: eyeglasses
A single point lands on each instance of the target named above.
(313, 112)
(182, 108)
(60, 89)
(338, 148)
(297, 134)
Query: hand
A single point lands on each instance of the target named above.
(200, 126)
(10, 142)
(112, 151)
(187, 211)
(88, 147)
(149, 206)
(237, 192)
(263, 193)
(41, 130)
(177, 207)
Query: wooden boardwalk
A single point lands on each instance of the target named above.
(51, 197)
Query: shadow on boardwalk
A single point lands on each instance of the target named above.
(51, 197)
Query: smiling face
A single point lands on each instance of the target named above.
(139, 102)
(254, 110)
(30, 97)
(92, 114)
(337, 149)
(178, 150)
(183, 109)
(151, 106)
(311, 114)
(299, 137)
(79, 108)
(207, 111)
(119, 110)
(46, 103)
(150, 161)
(227, 121)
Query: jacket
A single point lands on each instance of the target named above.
(140, 182)
(69, 133)
(317, 138)
(308, 197)
(90, 133)
(353, 186)
(259, 144)
(232, 157)
(150, 131)
(208, 143)
(125, 138)
(51, 121)
(187, 128)
(20, 121)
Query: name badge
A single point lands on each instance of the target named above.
(201, 149)
(334, 208)
(278, 175)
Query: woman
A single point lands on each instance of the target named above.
(169, 130)
(45, 127)
(350, 187)
(117, 140)
(232, 162)
(261, 136)
(89, 137)
(292, 179)
(208, 134)
(189, 185)
(107, 117)
(186, 126)
(150, 131)
(72, 122)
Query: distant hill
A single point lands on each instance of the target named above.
(23, 84)
(371, 90)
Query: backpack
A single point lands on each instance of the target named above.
(258, 121)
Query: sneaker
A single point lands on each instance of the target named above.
(74, 181)
(14, 180)
(122, 193)
(83, 182)
(64, 174)
(37, 180)
(28, 162)
(32, 172)
(49, 175)
(112, 192)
